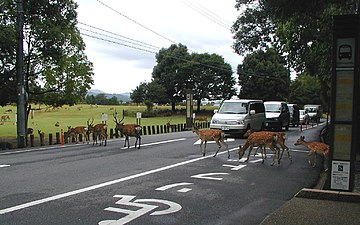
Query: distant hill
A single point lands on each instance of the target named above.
(124, 97)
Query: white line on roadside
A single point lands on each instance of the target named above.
(97, 186)
(212, 142)
(158, 143)
(2, 166)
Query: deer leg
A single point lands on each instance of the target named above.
(227, 147)
(201, 148)
(139, 142)
(309, 158)
(248, 157)
(204, 148)
(219, 146)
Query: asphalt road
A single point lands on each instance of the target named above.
(167, 181)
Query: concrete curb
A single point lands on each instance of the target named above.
(329, 195)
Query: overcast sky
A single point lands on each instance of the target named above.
(108, 27)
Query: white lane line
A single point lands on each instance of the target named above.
(2, 166)
(212, 142)
(158, 143)
(97, 186)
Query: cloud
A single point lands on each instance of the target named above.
(119, 68)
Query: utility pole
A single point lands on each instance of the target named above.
(21, 92)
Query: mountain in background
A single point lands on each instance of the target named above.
(124, 97)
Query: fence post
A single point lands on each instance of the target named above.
(31, 140)
(42, 139)
(111, 133)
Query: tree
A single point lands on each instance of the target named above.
(207, 74)
(170, 73)
(56, 68)
(263, 75)
(149, 93)
(300, 29)
(210, 77)
(138, 94)
(305, 89)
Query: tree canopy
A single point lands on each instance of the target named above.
(263, 75)
(56, 68)
(176, 71)
(301, 30)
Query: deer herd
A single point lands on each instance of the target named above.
(275, 141)
(261, 140)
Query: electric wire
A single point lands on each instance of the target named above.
(154, 32)
(208, 14)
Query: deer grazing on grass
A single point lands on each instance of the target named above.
(261, 138)
(211, 135)
(281, 137)
(128, 130)
(99, 131)
(315, 148)
(76, 131)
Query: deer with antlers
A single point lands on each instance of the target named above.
(280, 140)
(128, 130)
(211, 135)
(315, 147)
(261, 138)
(76, 131)
(99, 131)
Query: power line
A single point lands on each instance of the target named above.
(154, 32)
(208, 14)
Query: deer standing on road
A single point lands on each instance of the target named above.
(99, 131)
(76, 131)
(128, 130)
(281, 137)
(211, 135)
(261, 138)
(315, 148)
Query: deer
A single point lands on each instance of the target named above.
(128, 130)
(99, 131)
(261, 138)
(211, 135)
(281, 137)
(76, 131)
(315, 148)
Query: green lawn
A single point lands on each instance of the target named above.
(44, 119)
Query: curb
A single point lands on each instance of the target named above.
(329, 195)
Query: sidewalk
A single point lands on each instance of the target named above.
(317, 206)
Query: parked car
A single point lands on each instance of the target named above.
(277, 115)
(303, 117)
(238, 116)
(294, 114)
(314, 111)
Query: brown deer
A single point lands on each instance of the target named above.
(211, 135)
(261, 138)
(76, 131)
(281, 137)
(99, 131)
(128, 130)
(315, 148)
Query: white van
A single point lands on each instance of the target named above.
(314, 111)
(238, 116)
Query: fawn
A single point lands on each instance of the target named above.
(211, 135)
(315, 148)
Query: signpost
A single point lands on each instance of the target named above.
(189, 108)
(344, 102)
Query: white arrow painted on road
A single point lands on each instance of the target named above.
(234, 167)
(183, 190)
(209, 176)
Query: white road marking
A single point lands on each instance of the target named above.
(213, 142)
(166, 187)
(234, 167)
(157, 143)
(209, 176)
(2, 166)
(101, 185)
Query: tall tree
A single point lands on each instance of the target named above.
(57, 70)
(301, 29)
(169, 72)
(210, 77)
(304, 90)
(263, 75)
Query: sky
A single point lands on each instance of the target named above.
(109, 27)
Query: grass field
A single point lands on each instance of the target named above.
(44, 119)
